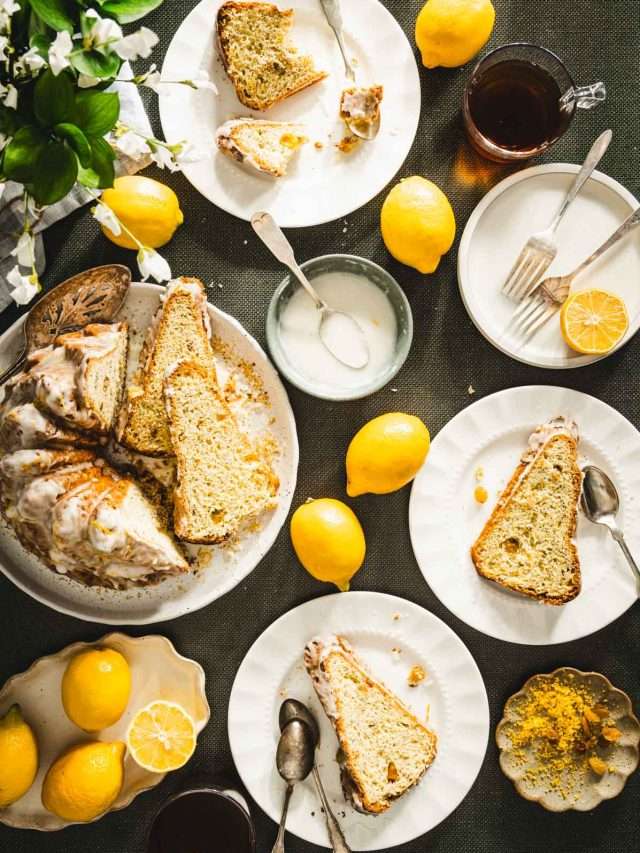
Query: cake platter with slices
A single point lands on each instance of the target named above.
(354, 657)
(120, 508)
(522, 564)
(276, 141)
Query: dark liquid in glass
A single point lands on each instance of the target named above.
(201, 822)
(515, 104)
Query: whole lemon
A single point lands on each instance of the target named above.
(18, 756)
(95, 688)
(328, 540)
(451, 32)
(84, 781)
(417, 223)
(147, 208)
(386, 454)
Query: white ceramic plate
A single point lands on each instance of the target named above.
(157, 672)
(321, 185)
(172, 597)
(375, 624)
(445, 519)
(501, 224)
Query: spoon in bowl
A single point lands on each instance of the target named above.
(294, 760)
(292, 710)
(339, 332)
(601, 503)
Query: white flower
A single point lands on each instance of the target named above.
(131, 145)
(107, 217)
(85, 81)
(4, 41)
(30, 61)
(59, 51)
(153, 265)
(136, 45)
(186, 152)
(4, 141)
(25, 250)
(103, 31)
(11, 97)
(202, 81)
(163, 158)
(151, 78)
(9, 7)
(25, 287)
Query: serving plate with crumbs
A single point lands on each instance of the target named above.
(254, 392)
(157, 672)
(568, 740)
(417, 657)
(323, 182)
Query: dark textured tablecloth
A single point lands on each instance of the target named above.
(599, 40)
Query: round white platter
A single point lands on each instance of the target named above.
(322, 184)
(225, 567)
(157, 672)
(391, 636)
(445, 519)
(500, 225)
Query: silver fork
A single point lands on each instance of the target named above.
(540, 249)
(549, 296)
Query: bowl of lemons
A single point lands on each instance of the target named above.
(84, 731)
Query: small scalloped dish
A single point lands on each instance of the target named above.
(157, 672)
(581, 789)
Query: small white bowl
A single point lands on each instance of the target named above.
(157, 672)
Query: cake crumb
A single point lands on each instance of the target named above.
(471, 390)
(427, 714)
(318, 145)
(480, 494)
(479, 474)
(396, 617)
(416, 676)
(347, 143)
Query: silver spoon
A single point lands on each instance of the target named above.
(292, 710)
(93, 296)
(339, 332)
(294, 760)
(601, 503)
(331, 9)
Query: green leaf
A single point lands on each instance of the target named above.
(55, 173)
(53, 99)
(96, 64)
(42, 43)
(22, 152)
(102, 161)
(126, 11)
(97, 112)
(57, 14)
(77, 140)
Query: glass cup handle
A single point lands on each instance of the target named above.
(584, 97)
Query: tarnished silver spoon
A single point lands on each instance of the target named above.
(339, 332)
(93, 296)
(601, 503)
(293, 710)
(294, 760)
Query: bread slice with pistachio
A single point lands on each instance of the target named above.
(527, 545)
(384, 749)
(263, 66)
(266, 146)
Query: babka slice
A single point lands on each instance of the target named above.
(527, 545)
(384, 749)
(85, 520)
(180, 330)
(222, 479)
(78, 380)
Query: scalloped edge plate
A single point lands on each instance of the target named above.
(445, 520)
(158, 672)
(596, 789)
(453, 695)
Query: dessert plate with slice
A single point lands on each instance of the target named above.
(413, 676)
(527, 201)
(494, 518)
(94, 517)
(322, 182)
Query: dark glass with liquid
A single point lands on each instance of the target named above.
(204, 820)
(513, 107)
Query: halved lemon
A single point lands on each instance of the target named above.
(161, 737)
(593, 321)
